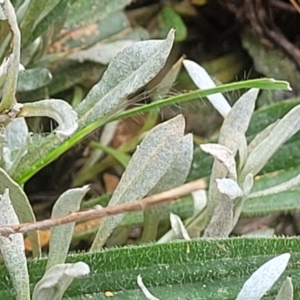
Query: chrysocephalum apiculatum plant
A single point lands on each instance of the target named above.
(161, 162)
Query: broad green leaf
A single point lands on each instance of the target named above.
(61, 235)
(57, 279)
(174, 176)
(285, 186)
(21, 206)
(264, 278)
(283, 130)
(33, 79)
(284, 201)
(207, 269)
(169, 18)
(84, 12)
(13, 250)
(148, 164)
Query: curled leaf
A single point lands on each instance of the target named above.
(229, 187)
(57, 279)
(57, 109)
(178, 228)
(224, 155)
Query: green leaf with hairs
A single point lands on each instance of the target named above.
(207, 269)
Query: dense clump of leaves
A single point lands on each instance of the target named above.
(161, 162)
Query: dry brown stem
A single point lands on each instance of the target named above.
(95, 213)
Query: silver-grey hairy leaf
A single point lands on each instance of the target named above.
(237, 121)
(264, 278)
(148, 164)
(16, 138)
(61, 235)
(248, 184)
(175, 176)
(261, 136)
(221, 223)
(135, 66)
(13, 250)
(232, 134)
(203, 81)
(33, 79)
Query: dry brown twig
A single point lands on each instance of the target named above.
(95, 213)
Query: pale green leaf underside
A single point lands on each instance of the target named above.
(21, 206)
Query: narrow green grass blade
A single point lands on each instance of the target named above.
(263, 83)
(56, 149)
